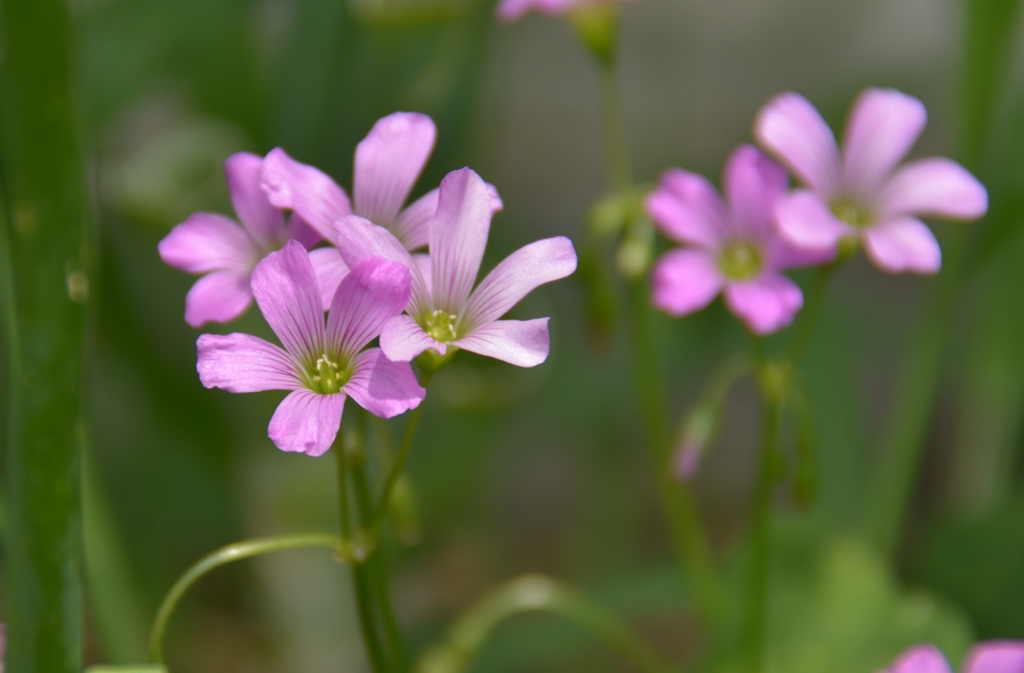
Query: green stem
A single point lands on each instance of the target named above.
(685, 527)
(809, 314)
(376, 570)
(396, 467)
(361, 576)
(760, 530)
(620, 174)
(223, 556)
(534, 593)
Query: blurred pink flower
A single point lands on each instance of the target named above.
(731, 247)
(388, 162)
(319, 365)
(214, 245)
(860, 194)
(995, 656)
(510, 11)
(444, 309)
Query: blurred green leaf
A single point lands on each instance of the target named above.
(836, 607)
(44, 261)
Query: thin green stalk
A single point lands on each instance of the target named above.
(376, 570)
(398, 465)
(535, 593)
(685, 527)
(761, 533)
(223, 556)
(361, 578)
(620, 174)
(809, 314)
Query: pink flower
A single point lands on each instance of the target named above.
(387, 164)
(319, 365)
(445, 311)
(225, 252)
(862, 195)
(1006, 656)
(510, 11)
(731, 247)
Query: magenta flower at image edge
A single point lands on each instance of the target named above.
(445, 311)
(860, 194)
(320, 366)
(996, 656)
(226, 253)
(731, 246)
(388, 162)
(510, 11)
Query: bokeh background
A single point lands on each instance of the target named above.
(545, 470)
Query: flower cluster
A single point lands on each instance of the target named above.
(364, 274)
(849, 198)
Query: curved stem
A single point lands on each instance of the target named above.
(534, 593)
(223, 556)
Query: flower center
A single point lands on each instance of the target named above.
(440, 325)
(326, 376)
(740, 261)
(851, 212)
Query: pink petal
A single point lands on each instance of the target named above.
(359, 238)
(458, 236)
(306, 422)
(382, 387)
(423, 264)
(412, 227)
(921, 659)
(902, 245)
(687, 209)
(685, 280)
(329, 269)
(524, 343)
(806, 222)
(220, 296)
(208, 242)
(240, 363)
(883, 125)
(302, 232)
(516, 276)
(939, 187)
(287, 292)
(996, 656)
(510, 11)
(264, 221)
(766, 304)
(752, 184)
(402, 339)
(388, 162)
(306, 190)
(782, 255)
(375, 291)
(790, 128)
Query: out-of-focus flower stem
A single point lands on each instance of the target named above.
(772, 382)
(687, 533)
(809, 315)
(686, 530)
(229, 554)
(534, 593)
(361, 577)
